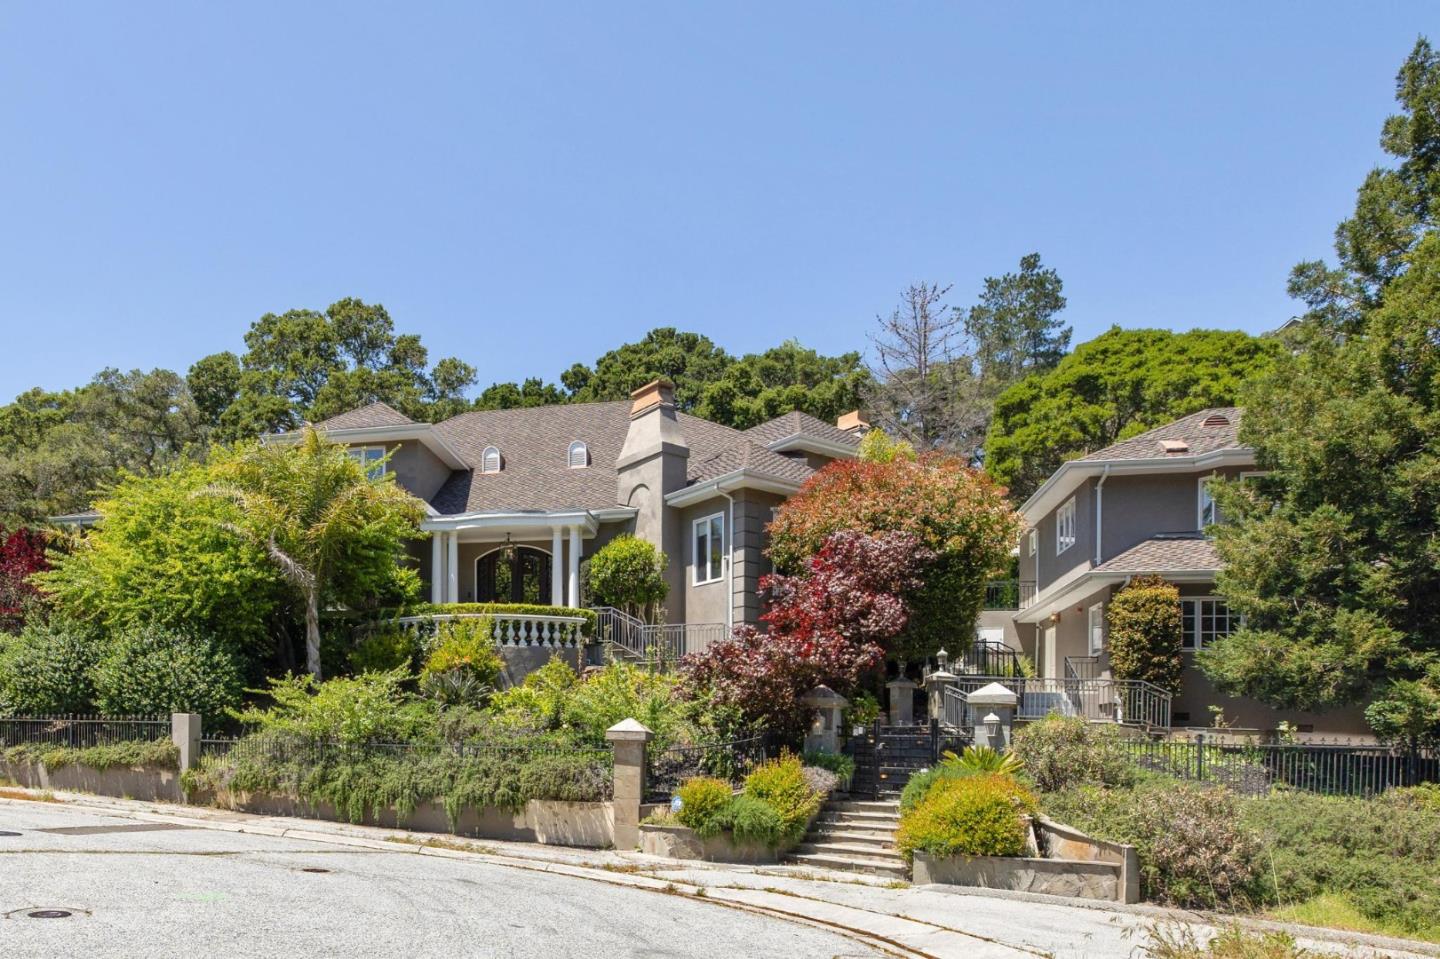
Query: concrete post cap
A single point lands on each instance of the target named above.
(822, 697)
(627, 731)
(992, 695)
(900, 683)
(941, 676)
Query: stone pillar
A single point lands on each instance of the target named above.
(902, 701)
(628, 738)
(437, 568)
(574, 574)
(824, 734)
(935, 685)
(993, 707)
(557, 569)
(185, 734)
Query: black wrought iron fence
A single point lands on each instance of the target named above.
(1334, 769)
(666, 769)
(82, 732)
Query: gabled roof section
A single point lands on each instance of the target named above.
(797, 430)
(376, 414)
(752, 457)
(1205, 440)
(1203, 432)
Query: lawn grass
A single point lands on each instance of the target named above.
(1333, 910)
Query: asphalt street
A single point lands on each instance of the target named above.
(154, 889)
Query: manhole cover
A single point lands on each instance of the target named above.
(314, 869)
(50, 914)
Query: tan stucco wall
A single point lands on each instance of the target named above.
(705, 603)
(416, 468)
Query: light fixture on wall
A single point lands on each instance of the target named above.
(507, 552)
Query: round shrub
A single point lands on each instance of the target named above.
(1059, 752)
(702, 804)
(781, 783)
(752, 820)
(629, 574)
(45, 670)
(1145, 632)
(150, 671)
(978, 815)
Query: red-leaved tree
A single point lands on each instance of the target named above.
(827, 625)
(22, 554)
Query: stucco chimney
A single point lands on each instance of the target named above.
(851, 422)
(653, 462)
(652, 394)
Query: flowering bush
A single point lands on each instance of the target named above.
(22, 554)
(957, 513)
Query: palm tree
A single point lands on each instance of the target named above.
(316, 513)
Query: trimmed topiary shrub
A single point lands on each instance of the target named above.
(977, 815)
(46, 669)
(703, 801)
(1144, 632)
(1059, 752)
(148, 671)
(629, 574)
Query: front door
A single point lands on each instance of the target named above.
(516, 574)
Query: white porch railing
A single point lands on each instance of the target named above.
(509, 629)
(654, 643)
(1127, 702)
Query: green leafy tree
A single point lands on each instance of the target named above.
(45, 670)
(785, 378)
(629, 574)
(1145, 632)
(1014, 326)
(689, 360)
(333, 533)
(509, 396)
(1334, 555)
(1119, 384)
(58, 449)
(150, 671)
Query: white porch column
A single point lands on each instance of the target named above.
(437, 570)
(557, 571)
(574, 566)
(452, 569)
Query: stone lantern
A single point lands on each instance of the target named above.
(824, 733)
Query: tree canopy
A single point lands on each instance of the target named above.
(1334, 555)
(1119, 384)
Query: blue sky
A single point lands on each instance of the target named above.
(527, 185)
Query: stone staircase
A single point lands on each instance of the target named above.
(854, 835)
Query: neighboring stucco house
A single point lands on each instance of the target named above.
(518, 499)
(1139, 507)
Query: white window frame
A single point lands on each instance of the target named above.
(1192, 608)
(579, 446)
(485, 460)
(1204, 497)
(1065, 526)
(1095, 628)
(1032, 541)
(364, 455)
(710, 524)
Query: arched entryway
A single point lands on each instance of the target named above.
(513, 574)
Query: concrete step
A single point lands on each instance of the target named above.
(808, 848)
(862, 805)
(884, 819)
(874, 839)
(850, 863)
(880, 829)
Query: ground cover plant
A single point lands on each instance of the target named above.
(156, 754)
(773, 809)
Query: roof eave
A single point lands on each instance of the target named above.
(1092, 579)
(813, 444)
(422, 433)
(586, 520)
(743, 478)
(1071, 474)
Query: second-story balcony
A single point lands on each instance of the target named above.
(1009, 594)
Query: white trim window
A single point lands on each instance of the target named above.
(491, 461)
(1207, 513)
(1065, 526)
(578, 456)
(1204, 619)
(1095, 620)
(709, 543)
(370, 457)
(1032, 541)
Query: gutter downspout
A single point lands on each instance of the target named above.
(1100, 509)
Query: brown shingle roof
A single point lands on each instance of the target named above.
(1191, 431)
(1165, 554)
(376, 414)
(749, 456)
(796, 422)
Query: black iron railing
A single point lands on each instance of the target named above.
(82, 732)
(666, 769)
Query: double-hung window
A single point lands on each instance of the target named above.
(369, 457)
(709, 549)
(1204, 620)
(1065, 526)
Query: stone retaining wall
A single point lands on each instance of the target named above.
(681, 842)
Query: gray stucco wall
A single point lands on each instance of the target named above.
(1136, 508)
(416, 468)
(1052, 565)
(704, 603)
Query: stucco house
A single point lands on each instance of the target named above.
(518, 499)
(1137, 507)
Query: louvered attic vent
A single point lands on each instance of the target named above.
(1215, 420)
